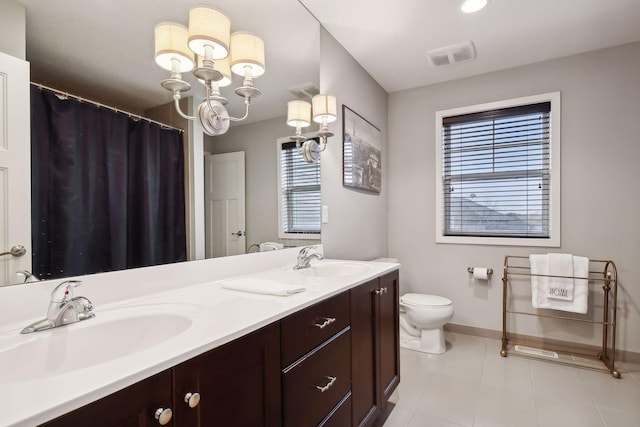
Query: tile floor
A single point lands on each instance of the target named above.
(472, 386)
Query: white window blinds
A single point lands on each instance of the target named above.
(496, 172)
(300, 187)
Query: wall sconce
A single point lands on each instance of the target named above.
(208, 43)
(299, 116)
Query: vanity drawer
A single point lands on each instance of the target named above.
(340, 416)
(317, 383)
(306, 329)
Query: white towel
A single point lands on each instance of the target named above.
(540, 284)
(558, 287)
(270, 246)
(262, 286)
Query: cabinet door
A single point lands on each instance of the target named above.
(238, 383)
(389, 335)
(364, 350)
(375, 345)
(133, 406)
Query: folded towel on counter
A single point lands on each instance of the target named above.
(262, 286)
(270, 246)
(554, 292)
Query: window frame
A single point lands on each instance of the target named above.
(554, 170)
(281, 233)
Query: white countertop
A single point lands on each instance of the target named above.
(202, 314)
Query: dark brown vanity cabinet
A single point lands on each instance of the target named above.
(333, 364)
(316, 367)
(238, 384)
(375, 351)
(134, 406)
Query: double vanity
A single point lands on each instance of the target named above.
(170, 345)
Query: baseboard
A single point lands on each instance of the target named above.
(539, 342)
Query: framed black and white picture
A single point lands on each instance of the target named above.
(362, 155)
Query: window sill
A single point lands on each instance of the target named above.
(553, 242)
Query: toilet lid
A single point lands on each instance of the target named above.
(425, 300)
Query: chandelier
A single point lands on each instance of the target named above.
(209, 46)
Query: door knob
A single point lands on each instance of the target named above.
(16, 251)
(240, 233)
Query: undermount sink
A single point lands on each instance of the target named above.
(112, 334)
(330, 268)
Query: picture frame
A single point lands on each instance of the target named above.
(362, 153)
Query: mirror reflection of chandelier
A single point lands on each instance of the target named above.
(299, 116)
(209, 46)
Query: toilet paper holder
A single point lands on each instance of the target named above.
(489, 271)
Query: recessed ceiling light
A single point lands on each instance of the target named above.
(470, 6)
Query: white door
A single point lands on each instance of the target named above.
(224, 204)
(15, 164)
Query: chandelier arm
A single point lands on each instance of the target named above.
(183, 115)
(237, 119)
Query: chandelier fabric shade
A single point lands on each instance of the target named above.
(247, 50)
(298, 113)
(171, 45)
(209, 27)
(324, 108)
(221, 65)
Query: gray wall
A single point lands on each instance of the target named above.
(258, 141)
(600, 96)
(13, 29)
(357, 227)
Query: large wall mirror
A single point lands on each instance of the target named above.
(104, 51)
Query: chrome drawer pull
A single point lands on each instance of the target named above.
(332, 380)
(327, 322)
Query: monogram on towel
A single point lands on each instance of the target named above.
(560, 287)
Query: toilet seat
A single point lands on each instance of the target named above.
(425, 300)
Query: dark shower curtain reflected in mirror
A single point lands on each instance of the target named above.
(107, 191)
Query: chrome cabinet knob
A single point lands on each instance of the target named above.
(163, 415)
(192, 399)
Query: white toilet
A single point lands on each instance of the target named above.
(422, 318)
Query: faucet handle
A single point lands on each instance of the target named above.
(305, 250)
(83, 308)
(64, 292)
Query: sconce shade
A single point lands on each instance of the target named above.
(298, 113)
(224, 67)
(324, 107)
(209, 26)
(171, 43)
(247, 49)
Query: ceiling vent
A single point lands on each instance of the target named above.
(454, 54)
(305, 90)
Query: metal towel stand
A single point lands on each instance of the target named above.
(603, 272)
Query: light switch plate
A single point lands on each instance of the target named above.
(325, 214)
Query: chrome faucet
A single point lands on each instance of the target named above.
(304, 257)
(63, 308)
(28, 276)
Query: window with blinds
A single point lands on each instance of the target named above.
(300, 201)
(496, 172)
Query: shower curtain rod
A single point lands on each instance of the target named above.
(66, 95)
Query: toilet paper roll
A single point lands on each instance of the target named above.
(480, 273)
